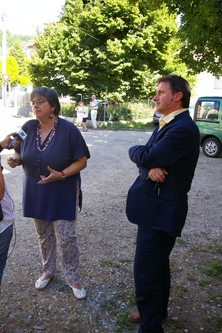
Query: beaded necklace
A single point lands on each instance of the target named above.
(44, 145)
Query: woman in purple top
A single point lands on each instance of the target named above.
(52, 155)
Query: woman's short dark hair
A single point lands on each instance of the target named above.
(177, 83)
(50, 95)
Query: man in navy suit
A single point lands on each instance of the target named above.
(157, 201)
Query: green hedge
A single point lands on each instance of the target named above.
(114, 112)
(68, 109)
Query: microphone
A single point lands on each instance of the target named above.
(20, 135)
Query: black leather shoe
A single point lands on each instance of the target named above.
(135, 318)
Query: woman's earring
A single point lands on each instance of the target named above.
(50, 116)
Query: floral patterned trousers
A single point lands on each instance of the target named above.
(61, 235)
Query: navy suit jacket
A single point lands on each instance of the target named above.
(175, 148)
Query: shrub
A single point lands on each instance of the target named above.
(133, 111)
(68, 109)
(114, 111)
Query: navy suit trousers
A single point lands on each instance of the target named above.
(152, 277)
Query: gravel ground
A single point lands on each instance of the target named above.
(107, 245)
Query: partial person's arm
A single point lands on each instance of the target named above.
(15, 160)
(2, 184)
(176, 144)
(7, 140)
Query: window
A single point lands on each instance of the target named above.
(208, 110)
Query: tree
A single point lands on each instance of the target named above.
(16, 51)
(48, 62)
(11, 69)
(200, 32)
(12, 39)
(107, 47)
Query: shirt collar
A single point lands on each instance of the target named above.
(167, 119)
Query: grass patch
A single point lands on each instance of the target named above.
(105, 262)
(214, 269)
(115, 264)
(181, 242)
(215, 298)
(118, 310)
(204, 283)
(191, 278)
(127, 125)
(174, 268)
(124, 260)
(180, 291)
(122, 323)
(218, 320)
(214, 247)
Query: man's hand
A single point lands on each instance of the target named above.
(158, 174)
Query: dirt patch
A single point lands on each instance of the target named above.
(107, 246)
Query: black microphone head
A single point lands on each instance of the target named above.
(25, 128)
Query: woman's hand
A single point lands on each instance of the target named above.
(72, 169)
(53, 176)
(14, 161)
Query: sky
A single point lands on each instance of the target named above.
(25, 16)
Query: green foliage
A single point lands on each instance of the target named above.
(140, 111)
(117, 112)
(23, 80)
(200, 32)
(11, 69)
(130, 125)
(204, 283)
(131, 111)
(68, 109)
(214, 269)
(17, 66)
(12, 39)
(46, 67)
(110, 48)
(16, 51)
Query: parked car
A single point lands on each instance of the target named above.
(156, 117)
(208, 117)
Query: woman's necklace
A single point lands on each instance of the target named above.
(44, 145)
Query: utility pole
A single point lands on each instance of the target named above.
(3, 59)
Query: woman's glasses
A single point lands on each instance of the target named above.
(38, 102)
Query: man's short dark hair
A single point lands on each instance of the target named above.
(177, 83)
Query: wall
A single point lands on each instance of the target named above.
(207, 85)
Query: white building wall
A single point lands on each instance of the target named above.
(208, 85)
